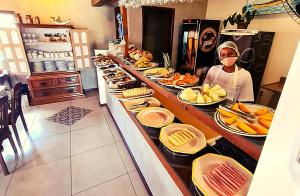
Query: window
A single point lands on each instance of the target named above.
(7, 20)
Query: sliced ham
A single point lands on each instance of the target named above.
(229, 173)
(235, 186)
(225, 179)
(223, 184)
(235, 171)
(214, 186)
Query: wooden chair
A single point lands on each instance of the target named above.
(4, 131)
(16, 110)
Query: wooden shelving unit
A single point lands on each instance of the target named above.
(72, 45)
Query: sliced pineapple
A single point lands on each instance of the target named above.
(207, 99)
(214, 97)
(221, 92)
(200, 99)
(205, 88)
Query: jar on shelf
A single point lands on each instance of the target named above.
(19, 18)
(37, 20)
(29, 19)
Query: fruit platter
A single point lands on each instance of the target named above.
(182, 138)
(137, 54)
(202, 96)
(245, 119)
(216, 175)
(178, 80)
(143, 64)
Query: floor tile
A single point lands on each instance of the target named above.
(29, 118)
(4, 181)
(52, 108)
(112, 125)
(22, 135)
(126, 157)
(48, 180)
(138, 185)
(120, 186)
(95, 166)
(90, 138)
(45, 150)
(89, 103)
(11, 159)
(42, 129)
(96, 117)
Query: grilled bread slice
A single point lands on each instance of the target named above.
(134, 92)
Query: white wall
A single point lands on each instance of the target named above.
(287, 35)
(98, 20)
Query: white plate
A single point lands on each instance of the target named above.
(153, 102)
(143, 68)
(204, 164)
(177, 86)
(232, 129)
(142, 117)
(192, 147)
(170, 74)
(199, 104)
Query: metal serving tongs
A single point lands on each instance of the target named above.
(248, 117)
(144, 104)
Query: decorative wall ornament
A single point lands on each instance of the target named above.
(269, 6)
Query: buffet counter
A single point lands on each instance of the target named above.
(200, 117)
(159, 175)
(165, 172)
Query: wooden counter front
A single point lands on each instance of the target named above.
(193, 115)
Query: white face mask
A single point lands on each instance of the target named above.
(229, 61)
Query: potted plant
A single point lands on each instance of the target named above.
(242, 20)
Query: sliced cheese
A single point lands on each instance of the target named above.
(181, 137)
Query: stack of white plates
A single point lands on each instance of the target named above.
(71, 65)
(38, 66)
(61, 65)
(50, 66)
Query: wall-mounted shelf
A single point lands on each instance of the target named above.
(39, 43)
(45, 26)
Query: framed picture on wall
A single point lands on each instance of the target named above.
(269, 6)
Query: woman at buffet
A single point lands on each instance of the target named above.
(235, 80)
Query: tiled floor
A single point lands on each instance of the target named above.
(87, 158)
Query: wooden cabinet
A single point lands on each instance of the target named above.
(52, 54)
(54, 87)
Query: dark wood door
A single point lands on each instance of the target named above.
(158, 25)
